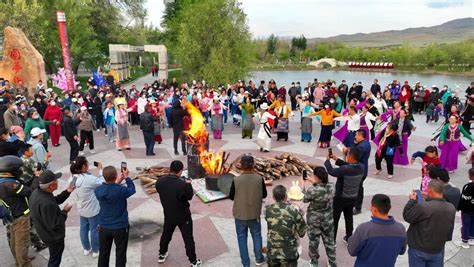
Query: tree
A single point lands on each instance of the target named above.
(210, 48)
(272, 44)
(92, 26)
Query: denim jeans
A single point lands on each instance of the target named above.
(467, 229)
(418, 258)
(255, 227)
(89, 225)
(110, 131)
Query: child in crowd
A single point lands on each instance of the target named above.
(109, 121)
(429, 157)
(437, 112)
(466, 206)
(430, 109)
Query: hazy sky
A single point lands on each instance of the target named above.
(324, 18)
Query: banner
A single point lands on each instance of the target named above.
(61, 19)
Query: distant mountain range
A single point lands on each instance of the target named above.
(449, 32)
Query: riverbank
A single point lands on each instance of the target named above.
(418, 70)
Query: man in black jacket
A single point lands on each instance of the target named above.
(349, 176)
(48, 218)
(431, 225)
(175, 193)
(148, 128)
(70, 133)
(176, 121)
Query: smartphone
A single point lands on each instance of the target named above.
(419, 196)
(96, 164)
(123, 166)
(38, 167)
(305, 174)
(73, 182)
(330, 152)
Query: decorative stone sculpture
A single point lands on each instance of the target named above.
(21, 61)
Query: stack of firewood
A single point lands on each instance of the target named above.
(278, 167)
(149, 176)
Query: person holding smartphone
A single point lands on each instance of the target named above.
(113, 215)
(175, 194)
(319, 215)
(87, 203)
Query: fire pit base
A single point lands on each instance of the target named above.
(211, 182)
(219, 182)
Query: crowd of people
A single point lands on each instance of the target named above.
(353, 116)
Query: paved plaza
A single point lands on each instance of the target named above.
(214, 229)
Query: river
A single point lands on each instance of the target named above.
(305, 76)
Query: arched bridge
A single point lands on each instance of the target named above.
(327, 61)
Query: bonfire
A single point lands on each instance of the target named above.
(197, 138)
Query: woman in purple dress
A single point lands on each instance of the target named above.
(393, 113)
(366, 119)
(405, 127)
(342, 132)
(450, 143)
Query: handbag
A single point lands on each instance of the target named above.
(390, 151)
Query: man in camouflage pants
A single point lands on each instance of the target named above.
(285, 224)
(319, 215)
(29, 177)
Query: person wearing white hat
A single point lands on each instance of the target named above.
(40, 155)
(121, 118)
(217, 122)
(264, 137)
(86, 127)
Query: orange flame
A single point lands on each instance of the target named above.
(197, 133)
(212, 162)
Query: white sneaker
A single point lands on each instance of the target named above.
(471, 242)
(92, 151)
(95, 254)
(105, 134)
(389, 176)
(377, 172)
(81, 153)
(162, 258)
(98, 130)
(461, 244)
(197, 263)
(87, 252)
(111, 141)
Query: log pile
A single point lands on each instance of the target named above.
(278, 167)
(149, 175)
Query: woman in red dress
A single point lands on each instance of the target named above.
(53, 113)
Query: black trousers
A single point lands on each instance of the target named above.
(134, 118)
(89, 136)
(56, 250)
(186, 229)
(418, 106)
(74, 149)
(360, 195)
(176, 136)
(293, 103)
(99, 121)
(149, 142)
(467, 126)
(388, 159)
(346, 206)
(120, 238)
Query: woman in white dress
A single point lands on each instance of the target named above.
(264, 138)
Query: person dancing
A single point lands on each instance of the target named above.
(450, 143)
(327, 119)
(405, 127)
(264, 138)
(389, 142)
